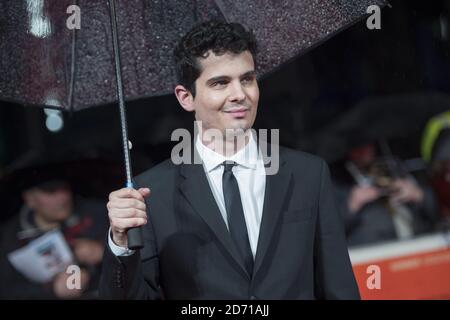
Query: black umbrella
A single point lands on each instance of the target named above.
(45, 63)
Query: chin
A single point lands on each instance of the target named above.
(242, 124)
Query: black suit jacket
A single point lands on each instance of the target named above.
(189, 254)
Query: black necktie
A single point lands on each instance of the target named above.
(235, 215)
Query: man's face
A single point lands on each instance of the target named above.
(55, 206)
(227, 93)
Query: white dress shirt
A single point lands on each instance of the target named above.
(251, 177)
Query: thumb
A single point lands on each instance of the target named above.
(144, 191)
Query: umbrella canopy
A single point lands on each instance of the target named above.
(44, 63)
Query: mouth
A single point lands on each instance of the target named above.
(237, 112)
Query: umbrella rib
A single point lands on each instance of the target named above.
(221, 7)
(72, 67)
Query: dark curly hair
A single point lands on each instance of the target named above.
(218, 36)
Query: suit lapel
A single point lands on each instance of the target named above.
(274, 197)
(196, 189)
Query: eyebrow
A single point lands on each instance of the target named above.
(251, 73)
(212, 80)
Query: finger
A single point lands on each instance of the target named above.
(395, 201)
(371, 192)
(400, 197)
(127, 213)
(126, 193)
(122, 225)
(125, 204)
(144, 192)
(404, 198)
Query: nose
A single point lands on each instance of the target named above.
(237, 93)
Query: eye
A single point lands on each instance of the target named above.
(248, 80)
(219, 83)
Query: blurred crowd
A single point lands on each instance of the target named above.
(384, 200)
(49, 205)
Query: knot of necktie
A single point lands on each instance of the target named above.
(228, 165)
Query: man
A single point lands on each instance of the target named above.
(224, 229)
(49, 204)
(436, 152)
(384, 204)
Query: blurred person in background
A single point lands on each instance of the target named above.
(436, 153)
(49, 204)
(385, 202)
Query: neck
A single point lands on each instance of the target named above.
(226, 146)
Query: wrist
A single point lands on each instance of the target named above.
(119, 239)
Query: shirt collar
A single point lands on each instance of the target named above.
(246, 157)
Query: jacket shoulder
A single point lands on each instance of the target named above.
(300, 159)
(156, 175)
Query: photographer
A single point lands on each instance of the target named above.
(49, 204)
(383, 205)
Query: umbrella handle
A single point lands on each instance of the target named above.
(134, 235)
(135, 238)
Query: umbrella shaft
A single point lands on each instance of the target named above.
(123, 119)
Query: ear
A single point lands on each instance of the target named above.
(185, 98)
